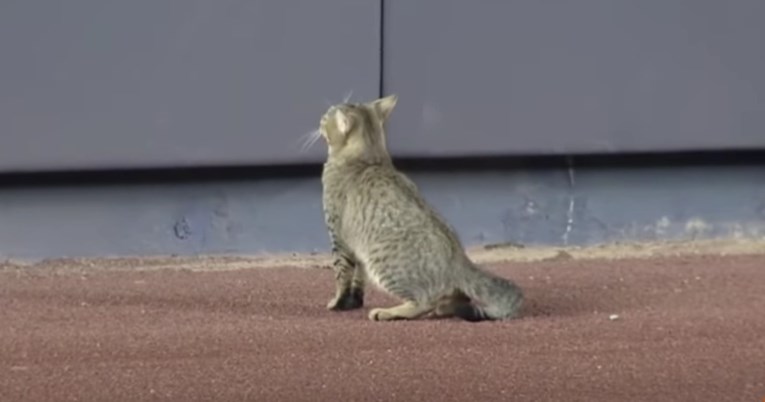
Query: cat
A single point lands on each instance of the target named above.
(382, 230)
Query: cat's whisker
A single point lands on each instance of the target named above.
(308, 144)
(309, 139)
(347, 96)
(300, 141)
(307, 135)
(303, 138)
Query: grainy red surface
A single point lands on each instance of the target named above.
(690, 329)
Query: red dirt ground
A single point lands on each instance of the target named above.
(689, 329)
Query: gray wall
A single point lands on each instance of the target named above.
(568, 77)
(95, 84)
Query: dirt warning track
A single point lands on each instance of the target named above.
(661, 329)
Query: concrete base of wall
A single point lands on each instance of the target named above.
(554, 205)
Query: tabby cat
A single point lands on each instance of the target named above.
(381, 229)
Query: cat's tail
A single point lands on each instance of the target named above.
(492, 297)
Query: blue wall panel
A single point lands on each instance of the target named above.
(498, 205)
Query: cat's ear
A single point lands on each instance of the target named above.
(342, 122)
(384, 106)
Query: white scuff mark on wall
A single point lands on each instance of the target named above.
(569, 220)
(737, 231)
(696, 227)
(571, 201)
(661, 226)
(531, 208)
(755, 230)
(745, 230)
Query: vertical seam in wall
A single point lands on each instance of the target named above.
(381, 86)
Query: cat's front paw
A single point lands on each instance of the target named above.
(349, 300)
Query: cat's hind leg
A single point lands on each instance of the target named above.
(406, 311)
(448, 305)
(358, 284)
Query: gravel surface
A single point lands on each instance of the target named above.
(679, 328)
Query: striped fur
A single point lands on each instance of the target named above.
(383, 231)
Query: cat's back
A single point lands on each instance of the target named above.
(379, 196)
(364, 180)
(382, 186)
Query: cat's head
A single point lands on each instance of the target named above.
(356, 131)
